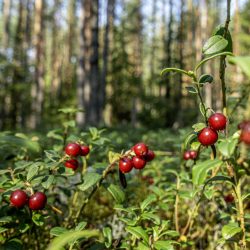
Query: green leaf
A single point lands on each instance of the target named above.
(89, 180)
(214, 44)
(153, 217)
(139, 233)
(107, 233)
(117, 193)
(13, 244)
(70, 110)
(38, 219)
(48, 182)
(81, 226)
(229, 230)
(198, 126)
(220, 30)
(33, 170)
(59, 242)
(227, 146)
(172, 233)
(24, 227)
(6, 219)
(56, 231)
(243, 62)
(163, 245)
(52, 155)
(200, 170)
(206, 78)
(2, 229)
(150, 199)
(212, 57)
(189, 139)
(202, 109)
(113, 156)
(191, 89)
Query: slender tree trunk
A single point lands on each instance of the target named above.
(153, 47)
(105, 56)
(39, 86)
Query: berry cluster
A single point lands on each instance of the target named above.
(74, 150)
(138, 159)
(19, 199)
(245, 132)
(209, 136)
(190, 155)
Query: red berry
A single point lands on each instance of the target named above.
(73, 149)
(138, 162)
(245, 132)
(72, 163)
(125, 165)
(243, 124)
(193, 154)
(217, 121)
(150, 155)
(37, 201)
(84, 150)
(229, 198)
(150, 180)
(186, 155)
(207, 136)
(19, 198)
(140, 149)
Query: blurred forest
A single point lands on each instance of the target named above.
(105, 57)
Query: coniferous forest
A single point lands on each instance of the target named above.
(125, 124)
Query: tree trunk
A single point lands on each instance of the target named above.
(39, 86)
(87, 89)
(105, 56)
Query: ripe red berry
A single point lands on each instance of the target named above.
(229, 198)
(73, 149)
(37, 201)
(245, 133)
(140, 149)
(150, 180)
(243, 124)
(84, 150)
(217, 121)
(138, 162)
(207, 136)
(193, 154)
(72, 163)
(125, 165)
(150, 155)
(19, 198)
(186, 155)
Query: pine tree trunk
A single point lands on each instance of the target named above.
(105, 57)
(39, 87)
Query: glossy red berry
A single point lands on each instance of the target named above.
(245, 133)
(229, 198)
(138, 162)
(186, 155)
(84, 150)
(19, 198)
(217, 121)
(140, 149)
(73, 149)
(72, 163)
(125, 165)
(150, 155)
(207, 136)
(37, 201)
(193, 154)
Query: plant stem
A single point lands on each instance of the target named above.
(240, 212)
(223, 62)
(176, 205)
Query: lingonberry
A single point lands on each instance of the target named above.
(125, 165)
(138, 162)
(193, 154)
(73, 149)
(217, 121)
(207, 136)
(84, 150)
(186, 155)
(72, 163)
(140, 149)
(245, 133)
(229, 198)
(243, 124)
(150, 155)
(37, 201)
(19, 198)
